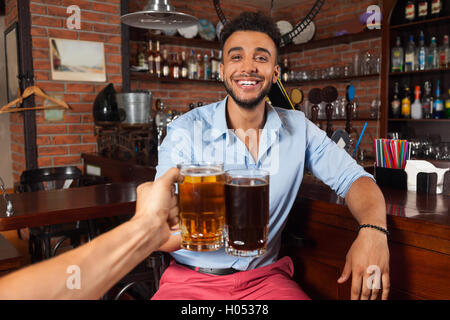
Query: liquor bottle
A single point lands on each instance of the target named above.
(192, 66)
(165, 65)
(206, 68)
(422, 9)
(397, 56)
(438, 105)
(427, 100)
(151, 58)
(410, 55)
(184, 66)
(406, 104)
(285, 71)
(410, 11)
(447, 105)
(421, 52)
(157, 60)
(436, 8)
(433, 55)
(175, 67)
(416, 107)
(214, 65)
(444, 54)
(200, 66)
(395, 103)
(142, 63)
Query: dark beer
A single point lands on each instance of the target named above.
(247, 215)
(202, 208)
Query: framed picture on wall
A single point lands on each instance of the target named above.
(77, 60)
(12, 62)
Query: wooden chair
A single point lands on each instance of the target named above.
(41, 237)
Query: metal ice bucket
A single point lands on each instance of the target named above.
(135, 107)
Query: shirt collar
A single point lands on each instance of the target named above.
(219, 121)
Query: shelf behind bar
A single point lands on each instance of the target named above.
(418, 72)
(420, 120)
(417, 24)
(340, 79)
(144, 76)
(320, 43)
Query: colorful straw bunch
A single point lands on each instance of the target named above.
(391, 153)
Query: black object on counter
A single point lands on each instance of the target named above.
(105, 109)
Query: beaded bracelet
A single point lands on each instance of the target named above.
(374, 227)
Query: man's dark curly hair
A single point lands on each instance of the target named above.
(252, 21)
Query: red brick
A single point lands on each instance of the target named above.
(89, 139)
(87, 36)
(42, 140)
(79, 87)
(106, 28)
(69, 160)
(44, 162)
(81, 128)
(72, 139)
(84, 148)
(52, 150)
(111, 8)
(63, 33)
(51, 129)
(46, 21)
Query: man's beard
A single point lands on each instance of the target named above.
(247, 104)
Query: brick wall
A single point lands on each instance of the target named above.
(62, 142)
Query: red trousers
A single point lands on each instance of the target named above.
(272, 282)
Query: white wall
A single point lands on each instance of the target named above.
(5, 137)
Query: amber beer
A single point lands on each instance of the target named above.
(247, 212)
(202, 206)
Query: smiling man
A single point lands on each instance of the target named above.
(244, 131)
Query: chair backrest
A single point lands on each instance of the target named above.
(50, 178)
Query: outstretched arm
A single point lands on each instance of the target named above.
(105, 260)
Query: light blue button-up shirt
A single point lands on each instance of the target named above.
(289, 143)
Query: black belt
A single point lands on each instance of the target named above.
(214, 271)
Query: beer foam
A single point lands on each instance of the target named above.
(201, 172)
(248, 182)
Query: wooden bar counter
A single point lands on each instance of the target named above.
(321, 230)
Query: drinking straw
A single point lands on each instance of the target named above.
(359, 140)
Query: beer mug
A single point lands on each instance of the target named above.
(201, 198)
(247, 212)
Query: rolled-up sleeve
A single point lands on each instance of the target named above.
(328, 162)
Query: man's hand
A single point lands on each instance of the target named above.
(157, 203)
(368, 262)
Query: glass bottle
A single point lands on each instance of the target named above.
(200, 66)
(206, 68)
(165, 65)
(410, 55)
(438, 105)
(192, 66)
(142, 63)
(160, 122)
(410, 11)
(433, 55)
(436, 8)
(427, 100)
(447, 105)
(416, 107)
(157, 60)
(406, 104)
(444, 54)
(422, 9)
(395, 103)
(421, 52)
(175, 67)
(151, 58)
(397, 56)
(214, 65)
(184, 66)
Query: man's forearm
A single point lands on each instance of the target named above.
(366, 202)
(101, 262)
